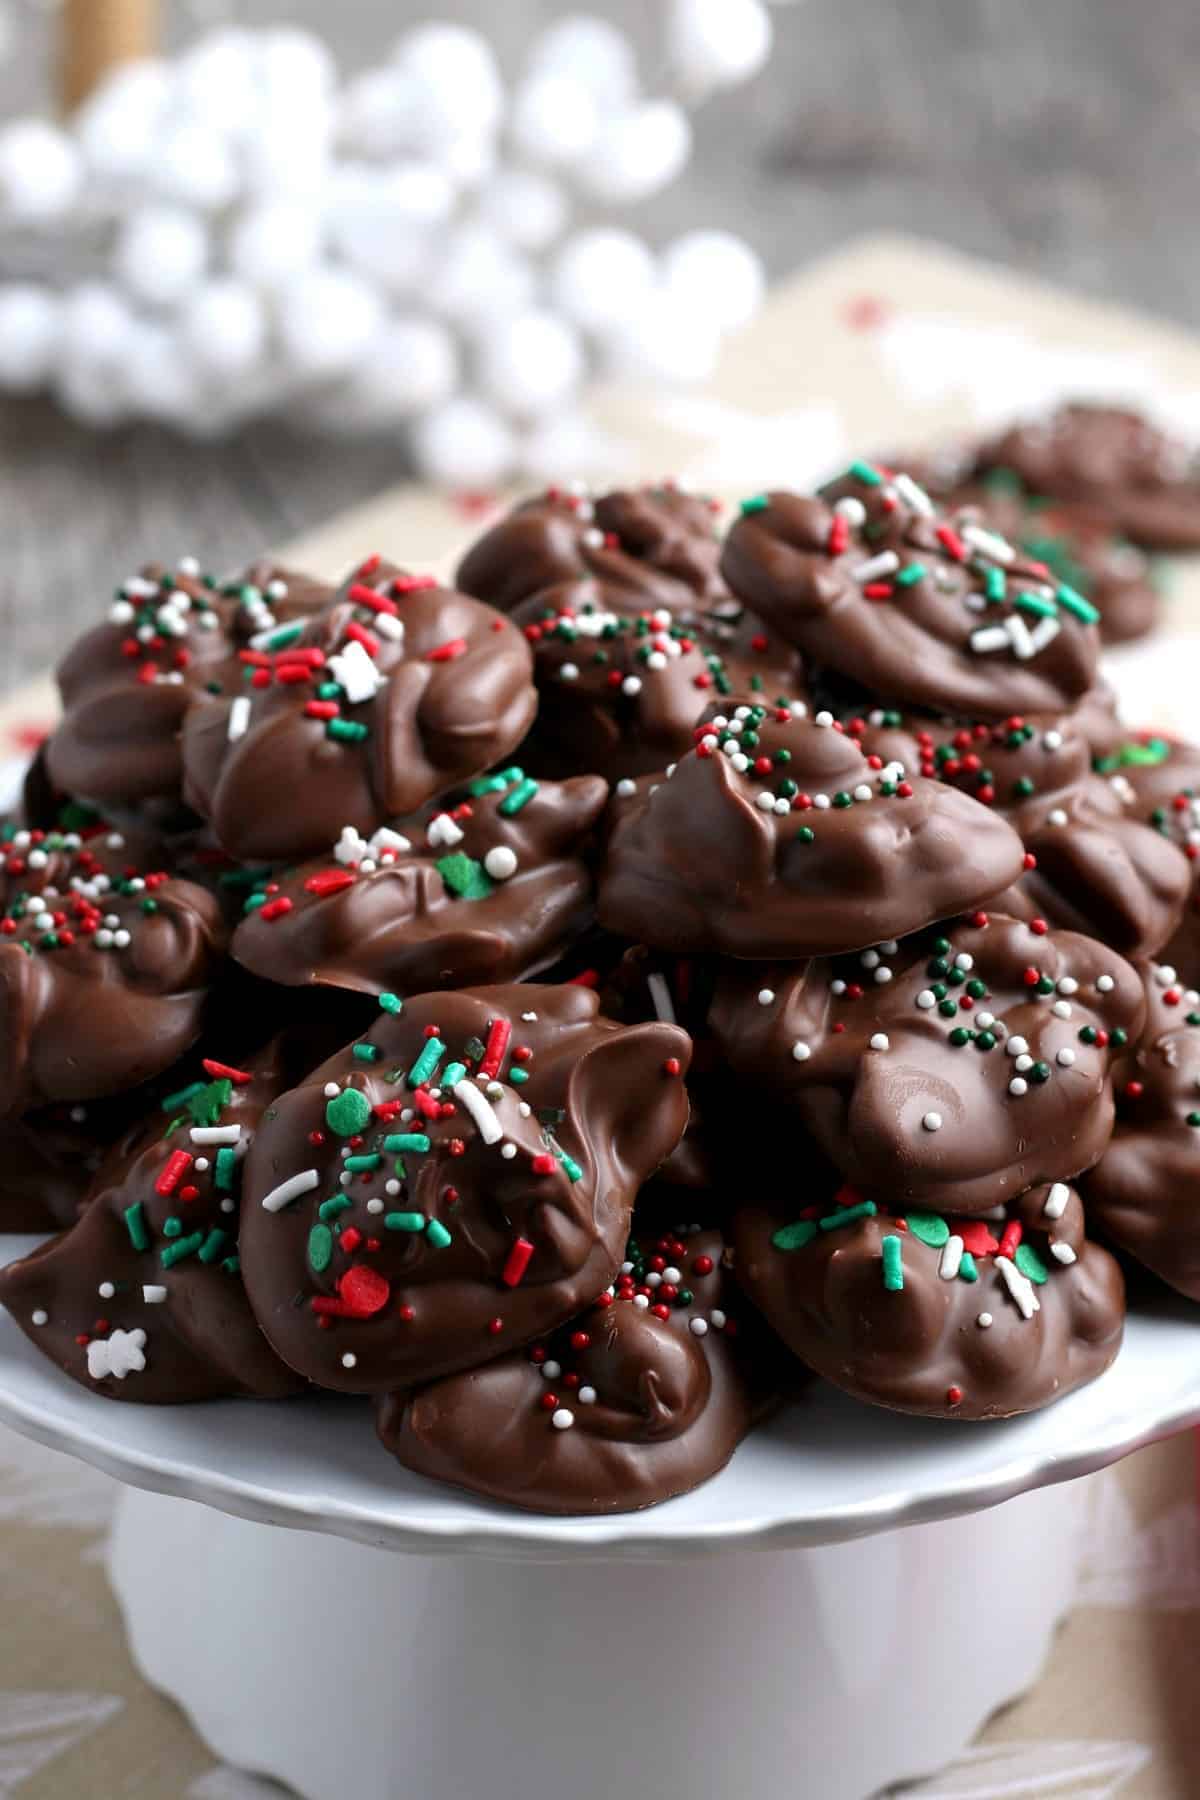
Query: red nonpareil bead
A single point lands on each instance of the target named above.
(580, 1340)
(953, 1396)
(703, 1265)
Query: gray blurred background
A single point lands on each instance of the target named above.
(1061, 136)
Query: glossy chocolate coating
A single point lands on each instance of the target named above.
(1112, 459)
(621, 689)
(1144, 1193)
(105, 964)
(141, 1299)
(48, 1160)
(1077, 542)
(1158, 780)
(924, 639)
(655, 1404)
(1041, 1316)
(657, 544)
(1095, 866)
(415, 688)
(901, 1062)
(407, 1281)
(753, 855)
(171, 642)
(418, 909)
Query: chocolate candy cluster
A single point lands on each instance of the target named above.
(577, 1007)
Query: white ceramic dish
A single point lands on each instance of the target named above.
(827, 1470)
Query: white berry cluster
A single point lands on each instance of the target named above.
(250, 235)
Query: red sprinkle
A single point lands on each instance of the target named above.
(448, 651)
(328, 881)
(517, 1261)
(219, 1071)
(275, 909)
(498, 1035)
(172, 1172)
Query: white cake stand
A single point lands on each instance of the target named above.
(774, 1634)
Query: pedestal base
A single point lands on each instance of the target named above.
(359, 1674)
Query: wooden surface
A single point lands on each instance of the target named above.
(1060, 138)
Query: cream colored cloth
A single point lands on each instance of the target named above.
(885, 345)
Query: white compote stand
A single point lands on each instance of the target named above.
(831, 1614)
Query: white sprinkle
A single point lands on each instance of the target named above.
(355, 672)
(654, 1279)
(239, 717)
(562, 1419)
(822, 802)
(586, 1396)
(1020, 637)
(926, 999)
(349, 1360)
(442, 829)
(881, 1041)
(376, 1206)
(801, 1051)
(823, 719)
(500, 862)
(508, 1151)
(39, 1317)
(883, 975)
(1164, 974)
(330, 1089)
(932, 1121)
(988, 544)
(952, 1255)
(852, 510)
(631, 686)
(387, 625)
(766, 996)
(1023, 1064)
(1062, 1253)
(1016, 1046)
(154, 1295)
(215, 1134)
(1056, 1200)
(1020, 1288)
(625, 788)
(121, 939)
(1043, 633)
(481, 1111)
(641, 1301)
(1053, 740)
(716, 1319)
(886, 563)
(119, 1355)
(765, 801)
(1068, 985)
(698, 1327)
(1061, 1009)
(985, 1020)
(1056, 817)
(106, 1290)
(989, 638)
(1065, 1057)
(551, 1370)
(1018, 1086)
(291, 1189)
(913, 495)
(984, 1320)
(1105, 984)
(569, 672)
(660, 999)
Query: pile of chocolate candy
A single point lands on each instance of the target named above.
(578, 1007)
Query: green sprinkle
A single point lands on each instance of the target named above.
(437, 1234)
(520, 797)
(893, 1264)
(519, 1076)
(487, 784)
(930, 1228)
(1031, 1264)
(1193, 1118)
(906, 577)
(172, 1227)
(862, 471)
(213, 1247)
(994, 584)
(404, 1221)
(805, 835)
(431, 1055)
(345, 731)
(348, 1113)
(329, 1209)
(452, 1074)
(328, 690)
(755, 504)
(1033, 603)
(464, 876)
(283, 638)
(206, 1107)
(399, 1141)
(180, 1098)
(232, 1265)
(366, 1053)
(391, 1003)
(184, 1247)
(845, 1215)
(1076, 604)
(795, 1236)
(223, 1167)
(572, 1168)
(135, 1225)
(320, 1249)
(960, 1036)
(369, 1160)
